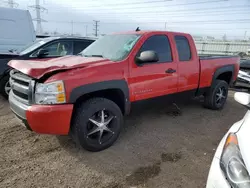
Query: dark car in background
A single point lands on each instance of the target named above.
(50, 47)
(243, 78)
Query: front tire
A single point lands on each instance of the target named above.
(97, 124)
(217, 95)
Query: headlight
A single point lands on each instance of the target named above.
(233, 165)
(50, 93)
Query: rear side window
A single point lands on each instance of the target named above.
(159, 44)
(183, 48)
(80, 46)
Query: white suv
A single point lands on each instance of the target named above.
(231, 164)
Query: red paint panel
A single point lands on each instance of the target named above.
(37, 69)
(151, 80)
(50, 119)
(188, 77)
(209, 66)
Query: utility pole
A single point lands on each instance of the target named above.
(245, 35)
(165, 26)
(11, 3)
(224, 37)
(38, 18)
(86, 27)
(96, 25)
(72, 29)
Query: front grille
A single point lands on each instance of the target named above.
(21, 86)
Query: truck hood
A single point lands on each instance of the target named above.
(38, 68)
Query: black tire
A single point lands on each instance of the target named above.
(81, 125)
(211, 98)
(3, 83)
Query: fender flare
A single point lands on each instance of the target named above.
(221, 70)
(122, 85)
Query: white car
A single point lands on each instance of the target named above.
(231, 164)
(243, 79)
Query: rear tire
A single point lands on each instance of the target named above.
(4, 86)
(88, 127)
(217, 95)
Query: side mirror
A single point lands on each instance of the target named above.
(42, 53)
(242, 98)
(148, 56)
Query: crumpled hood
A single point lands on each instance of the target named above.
(38, 68)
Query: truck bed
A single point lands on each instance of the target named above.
(205, 57)
(210, 64)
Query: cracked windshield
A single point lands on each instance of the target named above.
(125, 94)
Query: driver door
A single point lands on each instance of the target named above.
(150, 80)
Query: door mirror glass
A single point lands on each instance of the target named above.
(242, 98)
(148, 57)
(42, 53)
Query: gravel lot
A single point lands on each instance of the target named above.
(160, 147)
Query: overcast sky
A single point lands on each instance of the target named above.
(199, 17)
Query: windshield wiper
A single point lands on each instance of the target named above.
(93, 55)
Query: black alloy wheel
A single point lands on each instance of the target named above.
(96, 124)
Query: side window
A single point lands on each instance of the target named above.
(183, 48)
(60, 48)
(160, 44)
(80, 46)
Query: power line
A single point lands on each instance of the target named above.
(207, 13)
(210, 29)
(169, 22)
(57, 21)
(38, 18)
(179, 16)
(186, 21)
(134, 3)
(157, 5)
(96, 25)
(175, 11)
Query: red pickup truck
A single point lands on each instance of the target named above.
(86, 96)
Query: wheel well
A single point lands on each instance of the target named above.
(115, 95)
(226, 76)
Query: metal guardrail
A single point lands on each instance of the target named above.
(222, 47)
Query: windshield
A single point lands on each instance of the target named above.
(113, 47)
(32, 46)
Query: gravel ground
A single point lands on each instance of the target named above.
(161, 146)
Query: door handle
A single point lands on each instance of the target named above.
(170, 71)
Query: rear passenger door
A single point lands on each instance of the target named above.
(80, 45)
(153, 79)
(188, 64)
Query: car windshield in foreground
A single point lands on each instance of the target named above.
(32, 46)
(113, 47)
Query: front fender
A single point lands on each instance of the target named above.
(122, 85)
